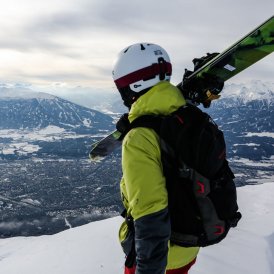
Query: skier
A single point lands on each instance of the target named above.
(142, 73)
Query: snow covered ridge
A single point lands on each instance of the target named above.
(31, 120)
(94, 248)
(250, 91)
(40, 110)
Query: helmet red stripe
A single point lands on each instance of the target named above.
(141, 74)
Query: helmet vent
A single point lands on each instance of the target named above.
(126, 49)
(142, 47)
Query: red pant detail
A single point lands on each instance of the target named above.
(130, 270)
(181, 270)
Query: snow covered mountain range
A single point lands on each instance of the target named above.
(26, 110)
(249, 91)
(245, 113)
(30, 121)
(22, 109)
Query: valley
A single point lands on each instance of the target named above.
(48, 184)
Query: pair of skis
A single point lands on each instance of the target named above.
(247, 51)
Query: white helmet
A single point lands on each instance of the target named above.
(141, 66)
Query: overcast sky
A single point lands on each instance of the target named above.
(71, 43)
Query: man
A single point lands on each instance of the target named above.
(142, 73)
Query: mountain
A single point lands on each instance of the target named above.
(40, 124)
(245, 113)
(44, 127)
(249, 91)
(94, 248)
(40, 110)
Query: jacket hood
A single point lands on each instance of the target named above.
(162, 99)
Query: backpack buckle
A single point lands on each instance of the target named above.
(185, 171)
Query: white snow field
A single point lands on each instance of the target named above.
(94, 248)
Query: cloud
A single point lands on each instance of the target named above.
(77, 41)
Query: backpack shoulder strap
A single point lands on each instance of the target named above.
(155, 121)
(149, 121)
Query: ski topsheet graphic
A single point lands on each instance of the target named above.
(247, 51)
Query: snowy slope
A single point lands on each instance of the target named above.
(94, 248)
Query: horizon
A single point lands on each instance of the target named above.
(256, 88)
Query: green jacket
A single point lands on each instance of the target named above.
(143, 188)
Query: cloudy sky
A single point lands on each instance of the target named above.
(65, 44)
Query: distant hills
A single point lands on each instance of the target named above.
(245, 113)
(42, 125)
(40, 110)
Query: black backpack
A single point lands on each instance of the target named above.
(201, 191)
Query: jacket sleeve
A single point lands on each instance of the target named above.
(147, 199)
(152, 233)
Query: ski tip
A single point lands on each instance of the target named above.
(95, 158)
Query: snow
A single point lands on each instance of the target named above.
(8, 150)
(50, 133)
(74, 251)
(87, 122)
(94, 248)
(49, 130)
(19, 148)
(249, 91)
(21, 138)
(31, 202)
(260, 134)
(264, 179)
(245, 161)
(247, 144)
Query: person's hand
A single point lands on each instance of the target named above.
(203, 89)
